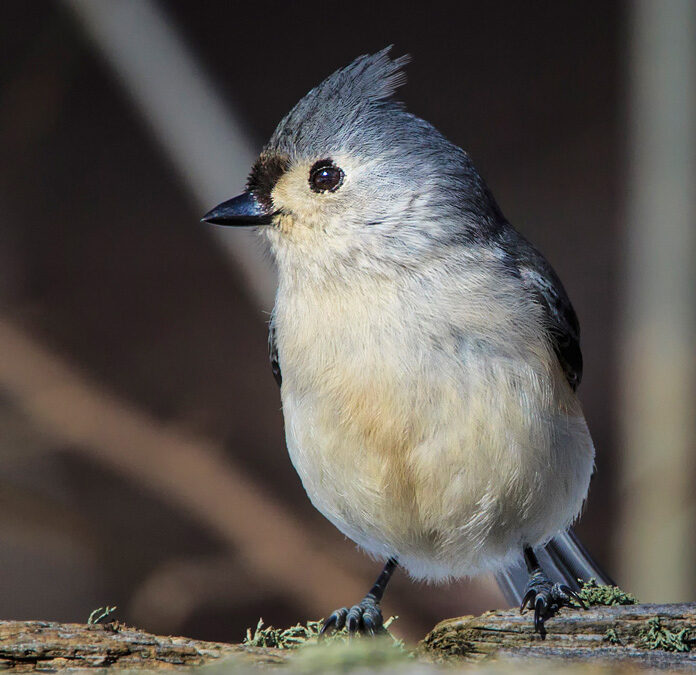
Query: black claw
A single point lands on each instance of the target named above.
(364, 618)
(353, 624)
(368, 624)
(546, 598)
(527, 600)
(539, 606)
(572, 594)
(336, 621)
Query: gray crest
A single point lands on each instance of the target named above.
(327, 116)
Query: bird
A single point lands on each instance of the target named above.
(427, 354)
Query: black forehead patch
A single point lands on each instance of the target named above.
(264, 175)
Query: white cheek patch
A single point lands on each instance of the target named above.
(294, 195)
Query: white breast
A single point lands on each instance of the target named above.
(419, 433)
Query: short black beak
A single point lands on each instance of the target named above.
(245, 210)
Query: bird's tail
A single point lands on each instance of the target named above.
(563, 559)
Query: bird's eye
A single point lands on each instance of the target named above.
(325, 176)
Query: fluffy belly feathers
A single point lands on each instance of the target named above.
(450, 460)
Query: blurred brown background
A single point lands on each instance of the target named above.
(142, 458)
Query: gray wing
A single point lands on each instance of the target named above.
(562, 322)
(273, 354)
(564, 558)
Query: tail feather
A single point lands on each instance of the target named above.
(563, 559)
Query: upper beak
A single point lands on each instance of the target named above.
(240, 211)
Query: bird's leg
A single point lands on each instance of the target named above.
(366, 616)
(541, 593)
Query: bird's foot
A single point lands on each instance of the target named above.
(365, 618)
(546, 598)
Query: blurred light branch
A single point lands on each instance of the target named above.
(203, 138)
(657, 549)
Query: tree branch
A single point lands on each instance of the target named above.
(645, 636)
(41, 645)
(655, 636)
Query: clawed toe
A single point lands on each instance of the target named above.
(364, 618)
(336, 621)
(572, 594)
(547, 598)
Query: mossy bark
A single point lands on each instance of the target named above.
(656, 636)
(652, 636)
(40, 645)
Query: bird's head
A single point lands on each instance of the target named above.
(350, 174)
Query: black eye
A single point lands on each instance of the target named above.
(325, 176)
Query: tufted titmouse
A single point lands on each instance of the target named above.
(427, 353)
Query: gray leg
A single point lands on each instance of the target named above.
(366, 616)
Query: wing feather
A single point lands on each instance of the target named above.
(273, 354)
(562, 323)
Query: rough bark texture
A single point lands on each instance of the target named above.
(643, 635)
(40, 645)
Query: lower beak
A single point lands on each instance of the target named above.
(244, 210)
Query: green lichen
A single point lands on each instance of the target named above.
(281, 638)
(611, 637)
(657, 636)
(99, 614)
(593, 593)
(300, 635)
